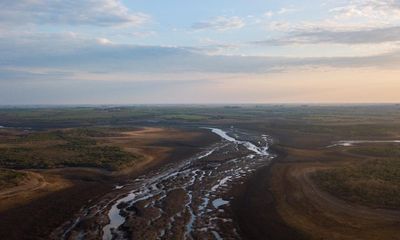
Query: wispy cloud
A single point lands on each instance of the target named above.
(220, 23)
(80, 12)
(351, 23)
(378, 10)
(269, 14)
(287, 10)
(73, 58)
(365, 36)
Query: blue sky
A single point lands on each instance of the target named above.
(146, 51)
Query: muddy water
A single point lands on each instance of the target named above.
(184, 201)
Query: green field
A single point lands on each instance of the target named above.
(67, 148)
(311, 118)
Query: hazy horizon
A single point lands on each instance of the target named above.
(210, 52)
(198, 105)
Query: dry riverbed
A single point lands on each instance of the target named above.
(56, 194)
(188, 200)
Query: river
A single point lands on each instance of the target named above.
(188, 200)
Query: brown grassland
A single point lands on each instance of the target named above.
(310, 191)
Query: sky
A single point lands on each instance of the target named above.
(209, 51)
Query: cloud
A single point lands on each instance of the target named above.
(351, 23)
(26, 74)
(56, 57)
(104, 41)
(364, 36)
(103, 13)
(215, 47)
(378, 10)
(100, 92)
(54, 67)
(220, 24)
(282, 11)
(287, 10)
(269, 14)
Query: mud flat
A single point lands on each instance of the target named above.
(255, 210)
(189, 200)
(57, 203)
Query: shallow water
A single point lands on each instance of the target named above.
(204, 179)
(219, 202)
(349, 143)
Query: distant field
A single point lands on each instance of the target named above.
(62, 148)
(373, 182)
(312, 118)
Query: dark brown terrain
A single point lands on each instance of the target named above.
(316, 187)
(57, 194)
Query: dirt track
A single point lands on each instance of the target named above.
(33, 181)
(33, 186)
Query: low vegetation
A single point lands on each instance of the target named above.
(10, 178)
(378, 151)
(325, 119)
(67, 148)
(373, 182)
